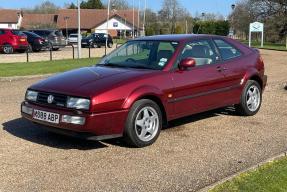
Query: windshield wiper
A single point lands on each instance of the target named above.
(141, 67)
(110, 65)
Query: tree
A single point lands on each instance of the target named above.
(92, 4)
(273, 13)
(46, 7)
(169, 13)
(120, 4)
(72, 6)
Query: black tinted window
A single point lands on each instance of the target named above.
(16, 32)
(227, 51)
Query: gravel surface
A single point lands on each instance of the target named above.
(193, 152)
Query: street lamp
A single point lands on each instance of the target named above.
(107, 34)
(144, 18)
(232, 21)
(133, 19)
(66, 20)
(79, 30)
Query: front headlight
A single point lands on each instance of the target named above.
(31, 95)
(78, 103)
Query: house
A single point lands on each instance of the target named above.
(95, 20)
(120, 23)
(10, 18)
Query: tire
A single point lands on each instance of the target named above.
(143, 124)
(8, 49)
(55, 49)
(251, 99)
(110, 45)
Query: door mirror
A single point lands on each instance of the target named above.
(187, 63)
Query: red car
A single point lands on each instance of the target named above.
(13, 40)
(141, 86)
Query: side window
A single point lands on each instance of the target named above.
(165, 51)
(226, 50)
(201, 51)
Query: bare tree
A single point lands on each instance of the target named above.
(120, 4)
(169, 13)
(45, 7)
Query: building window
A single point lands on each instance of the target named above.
(115, 24)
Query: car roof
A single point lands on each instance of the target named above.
(174, 37)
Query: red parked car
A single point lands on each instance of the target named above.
(147, 82)
(13, 40)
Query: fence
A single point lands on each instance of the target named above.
(69, 52)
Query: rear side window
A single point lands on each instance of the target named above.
(227, 51)
(19, 33)
(201, 51)
(58, 33)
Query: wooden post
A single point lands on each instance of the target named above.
(286, 40)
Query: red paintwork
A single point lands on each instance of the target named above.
(113, 91)
(13, 40)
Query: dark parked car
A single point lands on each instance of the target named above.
(97, 40)
(146, 83)
(12, 40)
(36, 43)
(55, 38)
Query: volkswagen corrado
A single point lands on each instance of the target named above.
(138, 88)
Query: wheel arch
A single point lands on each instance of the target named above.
(147, 92)
(257, 79)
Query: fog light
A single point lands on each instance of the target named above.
(73, 120)
(27, 110)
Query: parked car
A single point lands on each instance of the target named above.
(55, 38)
(97, 40)
(138, 88)
(73, 38)
(13, 40)
(36, 43)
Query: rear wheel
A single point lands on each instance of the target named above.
(251, 99)
(143, 124)
(8, 49)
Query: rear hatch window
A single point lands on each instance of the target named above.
(17, 32)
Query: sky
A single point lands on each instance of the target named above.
(222, 7)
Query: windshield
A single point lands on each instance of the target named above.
(141, 54)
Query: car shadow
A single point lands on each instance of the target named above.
(24, 129)
(31, 132)
(228, 111)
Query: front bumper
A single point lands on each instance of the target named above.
(97, 126)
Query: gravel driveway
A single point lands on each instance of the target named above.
(193, 152)
(63, 53)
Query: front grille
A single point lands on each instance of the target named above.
(59, 100)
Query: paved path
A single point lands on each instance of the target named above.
(194, 152)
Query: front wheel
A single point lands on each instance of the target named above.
(251, 99)
(143, 124)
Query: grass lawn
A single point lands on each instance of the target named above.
(271, 177)
(266, 45)
(43, 67)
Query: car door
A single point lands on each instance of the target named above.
(202, 87)
(231, 59)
